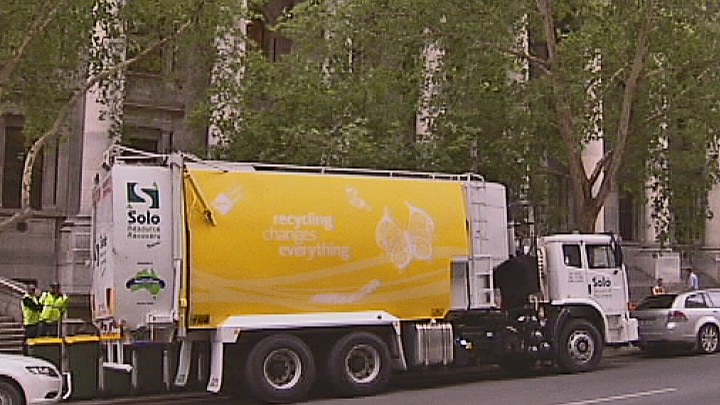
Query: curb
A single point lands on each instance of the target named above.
(171, 397)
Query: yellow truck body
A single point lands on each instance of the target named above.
(291, 243)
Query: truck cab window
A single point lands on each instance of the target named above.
(571, 255)
(600, 256)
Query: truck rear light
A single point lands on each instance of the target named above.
(676, 316)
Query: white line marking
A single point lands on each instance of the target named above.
(621, 397)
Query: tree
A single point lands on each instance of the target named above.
(53, 52)
(656, 61)
(519, 92)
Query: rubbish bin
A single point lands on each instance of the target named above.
(46, 348)
(148, 370)
(83, 356)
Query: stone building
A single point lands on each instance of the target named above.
(55, 244)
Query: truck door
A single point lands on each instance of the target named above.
(605, 278)
(570, 279)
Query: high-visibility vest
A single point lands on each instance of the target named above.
(53, 306)
(657, 290)
(31, 316)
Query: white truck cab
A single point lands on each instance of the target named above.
(587, 271)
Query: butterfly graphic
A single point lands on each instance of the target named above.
(404, 244)
(355, 200)
(225, 202)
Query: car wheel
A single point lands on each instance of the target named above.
(280, 369)
(359, 364)
(580, 346)
(708, 339)
(10, 394)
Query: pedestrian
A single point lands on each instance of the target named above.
(54, 304)
(693, 281)
(31, 309)
(659, 288)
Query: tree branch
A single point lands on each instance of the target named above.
(669, 106)
(628, 103)
(50, 134)
(599, 166)
(542, 63)
(39, 25)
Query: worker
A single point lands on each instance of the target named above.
(659, 288)
(54, 304)
(31, 309)
(693, 281)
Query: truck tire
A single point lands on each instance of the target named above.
(580, 346)
(280, 369)
(707, 339)
(359, 364)
(10, 394)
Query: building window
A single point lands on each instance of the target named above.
(261, 31)
(152, 140)
(12, 170)
(628, 217)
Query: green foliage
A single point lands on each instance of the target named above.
(361, 73)
(44, 76)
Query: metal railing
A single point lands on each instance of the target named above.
(10, 294)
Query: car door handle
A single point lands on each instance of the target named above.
(589, 289)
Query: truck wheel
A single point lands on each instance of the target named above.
(359, 364)
(280, 369)
(707, 342)
(10, 394)
(580, 346)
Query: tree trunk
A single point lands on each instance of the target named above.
(588, 205)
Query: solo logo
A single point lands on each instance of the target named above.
(147, 196)
(601, 282)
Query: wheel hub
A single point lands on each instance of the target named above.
(581, 346)
(709, 340)
(362, 363)
(282, 369)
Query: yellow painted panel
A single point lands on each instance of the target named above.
(299, 243)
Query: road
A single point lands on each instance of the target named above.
(625, 380)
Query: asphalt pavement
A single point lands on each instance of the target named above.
(610, 354)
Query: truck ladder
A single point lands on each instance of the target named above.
(480, 264)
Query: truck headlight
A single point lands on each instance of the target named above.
(42, 370)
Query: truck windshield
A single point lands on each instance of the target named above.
(600, 256)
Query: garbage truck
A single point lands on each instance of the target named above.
(295, 276)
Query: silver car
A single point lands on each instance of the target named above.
(691, 318)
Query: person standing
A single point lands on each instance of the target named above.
(659, 288)
(693, 281)
(54, 304)
(31, 309)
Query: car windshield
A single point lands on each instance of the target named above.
(657, 301)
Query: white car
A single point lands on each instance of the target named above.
(28, 381)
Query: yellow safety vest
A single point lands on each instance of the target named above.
(53, 307)
(31, 316)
